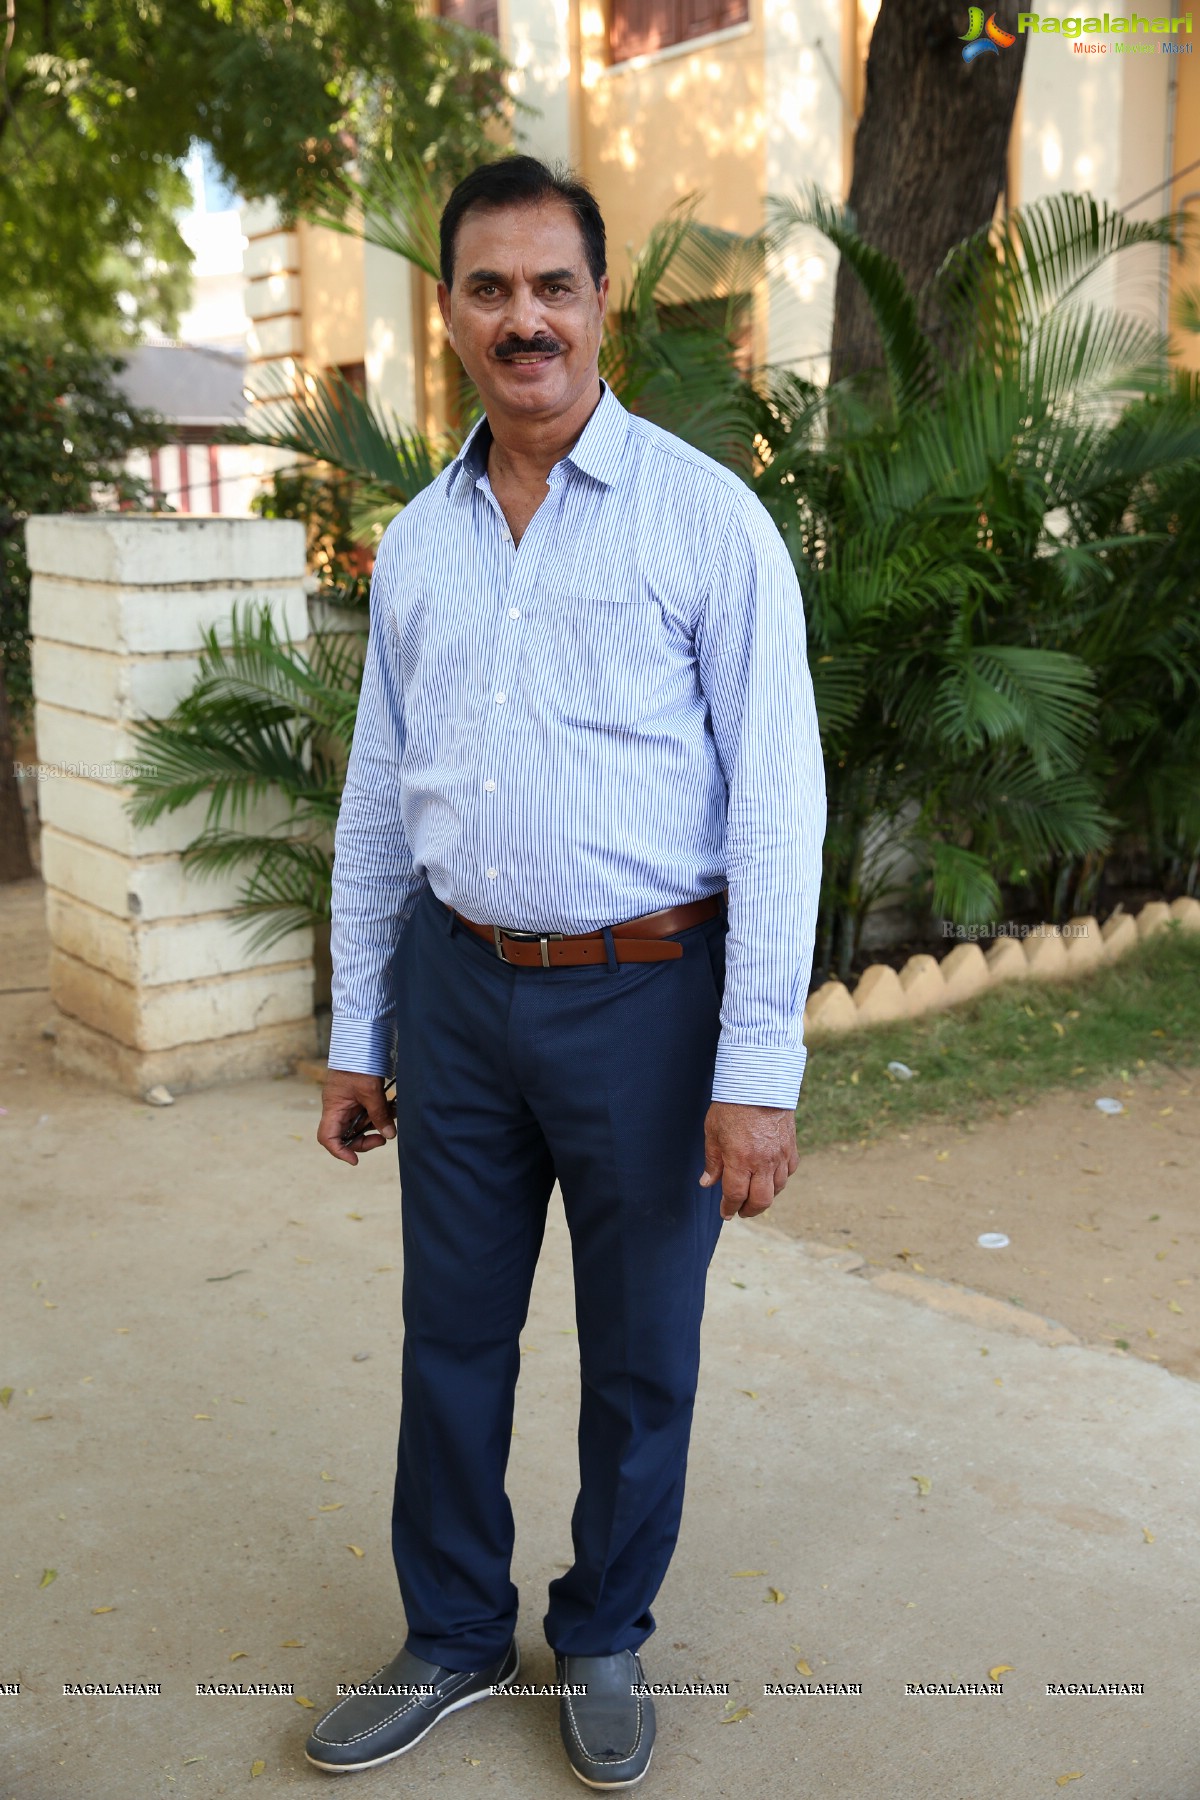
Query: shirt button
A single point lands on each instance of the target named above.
(514, 612)
(492, 874)
(499, 699)
(490, 786)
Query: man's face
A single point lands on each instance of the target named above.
(524, 314)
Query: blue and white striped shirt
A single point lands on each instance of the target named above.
(612, 717)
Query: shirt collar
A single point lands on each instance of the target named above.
(596, 452)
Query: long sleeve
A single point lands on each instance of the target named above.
(374, 882)
(753, 665)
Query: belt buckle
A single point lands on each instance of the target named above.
(526, 937)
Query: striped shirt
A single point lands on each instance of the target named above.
(612, 717)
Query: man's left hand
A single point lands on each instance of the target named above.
(751, 1151)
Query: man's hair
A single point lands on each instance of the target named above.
(523, 181)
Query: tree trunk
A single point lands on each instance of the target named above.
(15, 863)
(929, 155)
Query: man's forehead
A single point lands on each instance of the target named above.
(490, 236)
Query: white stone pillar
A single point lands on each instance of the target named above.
(154, 981)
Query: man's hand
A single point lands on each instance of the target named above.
(343, 1095)
(751, 1151)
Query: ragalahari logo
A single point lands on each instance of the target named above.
(984, 40)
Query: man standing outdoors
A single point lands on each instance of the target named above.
(576, 879)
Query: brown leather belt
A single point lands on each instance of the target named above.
(636, 940)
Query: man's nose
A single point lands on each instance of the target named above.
(523, 314)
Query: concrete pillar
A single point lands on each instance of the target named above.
(154, 982)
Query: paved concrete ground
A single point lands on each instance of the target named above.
(202, 1337)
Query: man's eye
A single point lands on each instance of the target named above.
(555, 287)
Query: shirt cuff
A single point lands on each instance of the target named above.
(362, 1046)
(748, 1075)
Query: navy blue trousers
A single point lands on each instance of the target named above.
(508, 1078)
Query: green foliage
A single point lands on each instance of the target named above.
(64, 428)
(101, 100)
(999, 582)
(332, 424)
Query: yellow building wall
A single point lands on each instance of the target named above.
(331, 274)
(658, 127)
(1185, 191)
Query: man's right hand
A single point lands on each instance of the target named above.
(342, 1097)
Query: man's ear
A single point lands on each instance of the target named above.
(602, 290)
(443, 300)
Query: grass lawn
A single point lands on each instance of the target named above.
(1005, 1048)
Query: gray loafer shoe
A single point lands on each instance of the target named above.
(394, 1708)
(609, 1731)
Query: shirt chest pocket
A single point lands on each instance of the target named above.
(599, 661)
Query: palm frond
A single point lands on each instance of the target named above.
(249, 727)
(1007, 276)
(395, 205)
(333, 424)
(908, 355)
(1080, 357)
(289, 885)
(994, 695)
(963, 886)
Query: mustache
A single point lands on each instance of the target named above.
(537, 346)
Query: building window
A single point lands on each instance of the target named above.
(639, 26)
(473, 15)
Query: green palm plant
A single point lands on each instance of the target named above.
(945, 522)
(266, 718)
